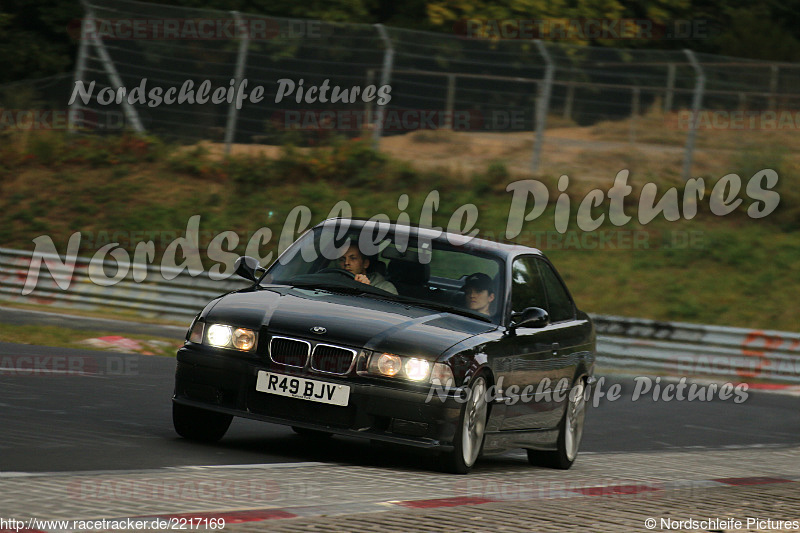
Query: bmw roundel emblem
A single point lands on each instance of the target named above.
(319, 330)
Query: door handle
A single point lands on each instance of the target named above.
(555, 348)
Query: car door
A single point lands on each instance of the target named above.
(530, 354)
(567, 335)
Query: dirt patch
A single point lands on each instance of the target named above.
(592, 155)
(218, 149)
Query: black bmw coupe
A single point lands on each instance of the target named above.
(394, 333)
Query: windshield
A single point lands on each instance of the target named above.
(378, 262)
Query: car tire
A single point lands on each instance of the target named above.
(570, 431)
(311, 433)
(199, 424)
(468, 439)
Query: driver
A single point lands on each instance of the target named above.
(354, 262)
(479, 293)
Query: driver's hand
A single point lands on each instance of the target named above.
(362, 278)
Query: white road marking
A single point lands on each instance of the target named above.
(264, 466)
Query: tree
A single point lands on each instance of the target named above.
(33, 38)
(751, 32)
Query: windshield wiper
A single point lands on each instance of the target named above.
(441, 307)
(321, 286)
(347, 288)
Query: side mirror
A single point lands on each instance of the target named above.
(246, 267)
(530, 317)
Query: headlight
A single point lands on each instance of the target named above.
(224, 336)
(417, 369)
(244, 339)
(219, 335)
(391, 365)
(388, 364)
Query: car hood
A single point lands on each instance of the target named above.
(350, 320)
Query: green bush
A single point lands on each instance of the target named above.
(496, 174)
(55, 149)
(47, 149)
(248, 172)
(352, 163)
(292, 166)
(752, 159)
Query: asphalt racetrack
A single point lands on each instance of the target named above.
(91, 411)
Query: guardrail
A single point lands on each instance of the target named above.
(683, 349)
(163, 292)
(671, 348)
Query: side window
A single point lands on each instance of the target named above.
(526, 287)
(560, 305)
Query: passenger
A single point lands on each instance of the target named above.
(479, 293)
(354, 262)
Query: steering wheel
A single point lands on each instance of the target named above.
(334, 270)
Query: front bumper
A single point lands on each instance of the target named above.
(398, 413)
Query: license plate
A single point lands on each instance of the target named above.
(303, 389)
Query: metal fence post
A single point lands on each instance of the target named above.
(368, 105)
(568, 103)
(80, 67)
(386, 78)
(697, 100)
(542, 105)
(451, 93)
(670, 87)
(634, 115)
(241, 60)
(116, 82)
(773, 86)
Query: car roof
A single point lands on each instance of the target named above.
(479, 244)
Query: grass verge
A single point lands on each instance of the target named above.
(729, 270)
(70, 338)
